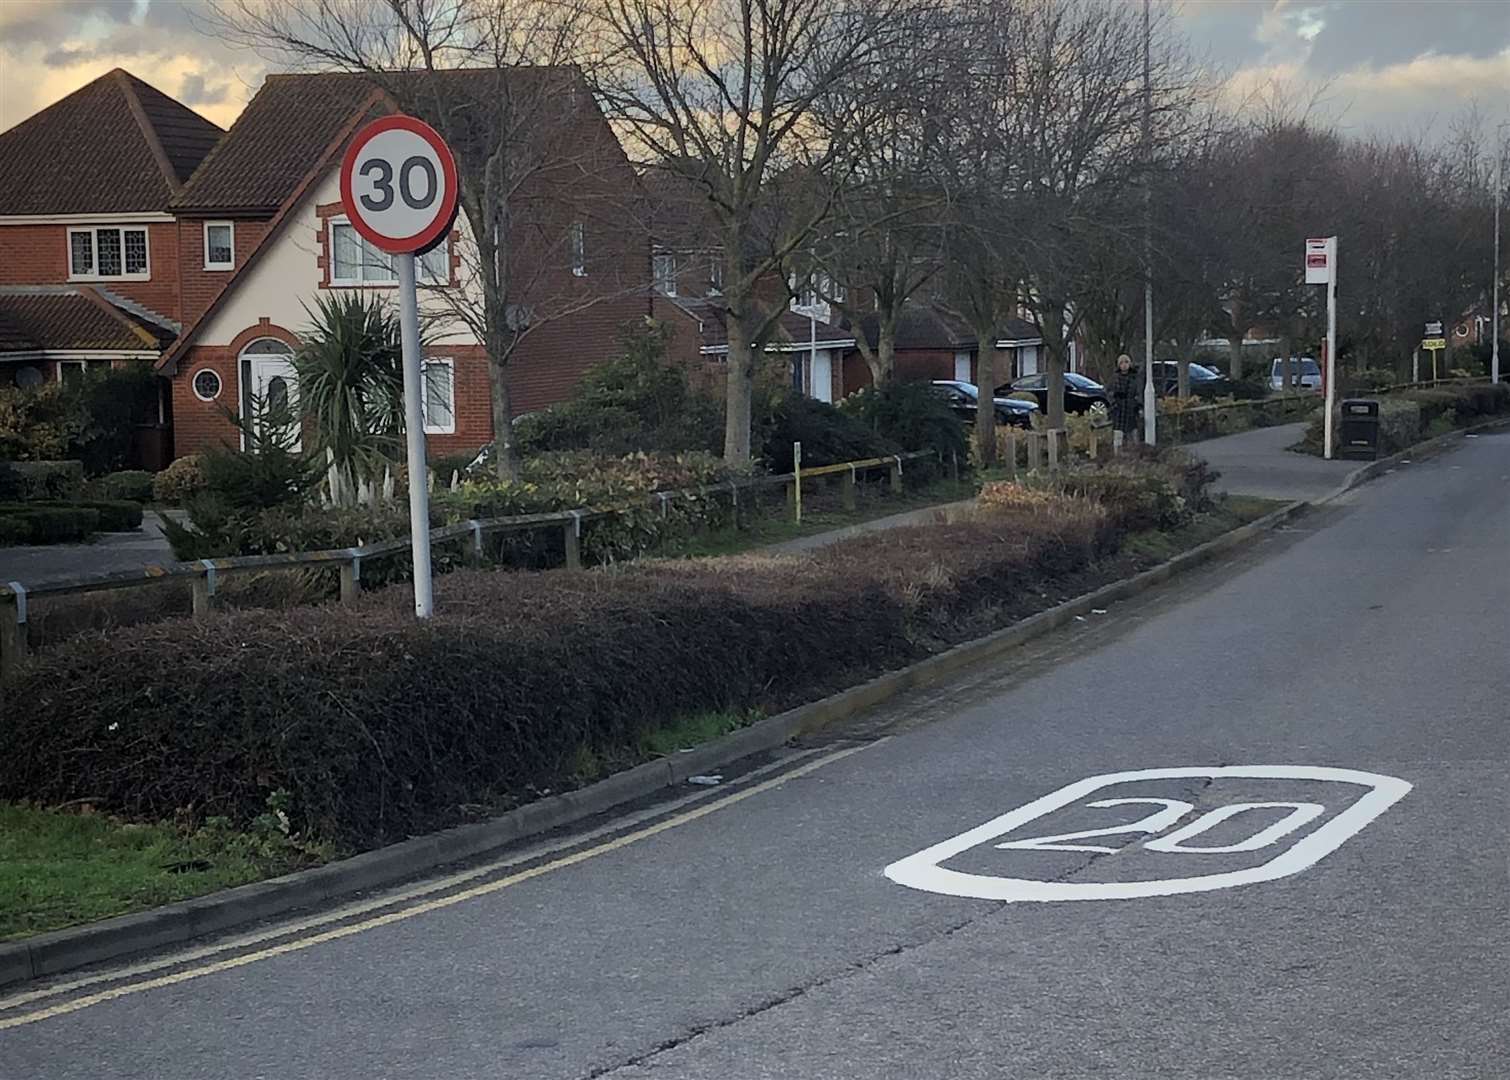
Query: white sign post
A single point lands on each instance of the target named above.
(398, 183)
(1321, 269)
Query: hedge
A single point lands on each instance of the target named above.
(29, 523)
(133, 484)
(378, 727)
(1413, 416)
(116, 515)
(44, 479)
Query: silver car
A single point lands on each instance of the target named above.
(1306, 373)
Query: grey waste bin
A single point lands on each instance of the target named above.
(1359, 433)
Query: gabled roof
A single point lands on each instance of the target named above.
(53, 318)
(794, 332)
(115, 145)
(291, 120)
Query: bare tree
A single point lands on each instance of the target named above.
(501, 81)
(726, 93)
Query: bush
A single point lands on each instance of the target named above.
(184, 477)
(380, 727)
(636, 401)
(14, 530)
(133, 484)
(444, 466)
(50, 524)
(827, 435)
(37, 424)
(247, 480)
(115, 515)
(1367, 381)
(910, 415)
(10, 484)
(110, 403)
(48, 479)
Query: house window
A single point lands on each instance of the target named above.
(665, 273)
(577, 244)
(107, 252)
(219, 245)
(206, 384)
(438, 395)
(356, 262)
(72, 372)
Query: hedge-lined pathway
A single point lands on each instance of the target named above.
(1260, 463)
(112, 551)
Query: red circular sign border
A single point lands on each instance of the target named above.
(396, 245)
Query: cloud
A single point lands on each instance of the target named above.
(193, 91)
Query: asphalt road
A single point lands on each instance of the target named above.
(752, 932)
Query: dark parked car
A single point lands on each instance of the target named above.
(1081, 395)
(964, 397)
(1204, 381)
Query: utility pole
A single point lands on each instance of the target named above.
(1494, 314)
(1150, 414)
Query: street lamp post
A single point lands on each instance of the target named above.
(1150, 414)
(1494, 313)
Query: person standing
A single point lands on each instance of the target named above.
(1127, 403)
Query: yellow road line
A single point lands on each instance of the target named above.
(386, 900)
(78, 1004)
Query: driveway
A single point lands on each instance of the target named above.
(111, 551)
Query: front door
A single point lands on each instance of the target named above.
(270, 393)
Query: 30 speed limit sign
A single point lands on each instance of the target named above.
(398, 181)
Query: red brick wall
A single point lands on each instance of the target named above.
(38, 255)
(200, 286)
(910, 364)
(199, 425)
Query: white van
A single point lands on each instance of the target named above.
(1307, 374)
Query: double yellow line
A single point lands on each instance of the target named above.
(76, 1004)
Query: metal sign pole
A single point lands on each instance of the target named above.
(1331, 341)
(414, 436)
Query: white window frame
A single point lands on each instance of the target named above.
(424, 393)
(219, 383)
(59, 365)
(666, 282)
(208, 264)
(381, 283)
(576, 243)
(93, 231)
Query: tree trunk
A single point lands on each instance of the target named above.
(505, 463)
(886, 351)
(1235, 342)
(1055, 382)
(1185, 356)
(739, 395)
(985, 402)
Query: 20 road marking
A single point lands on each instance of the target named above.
(440, 903)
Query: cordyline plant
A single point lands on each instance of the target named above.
(351, 390)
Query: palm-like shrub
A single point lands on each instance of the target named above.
(351, 390)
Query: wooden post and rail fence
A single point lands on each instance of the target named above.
(204, 575)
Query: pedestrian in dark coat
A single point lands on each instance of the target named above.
(1127, 402)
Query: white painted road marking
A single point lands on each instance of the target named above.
(924, 870)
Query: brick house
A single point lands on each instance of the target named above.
(267, 199)
(90, 267)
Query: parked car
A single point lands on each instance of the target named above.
(964, 398)
(1307, 374)
(1204, 381)
(1081, 395)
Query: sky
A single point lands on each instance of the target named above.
(1404, 67)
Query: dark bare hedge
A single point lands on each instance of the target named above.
(379, 728)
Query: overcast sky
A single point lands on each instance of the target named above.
(1395, 65)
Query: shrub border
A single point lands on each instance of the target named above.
(61, 951)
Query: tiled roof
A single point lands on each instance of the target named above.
(794, 329)
(113, 146)
(58, 317)
(293, 120)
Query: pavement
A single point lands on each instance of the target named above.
(1256, 916)
(926, 515)
(110, 551)
(1260, 463)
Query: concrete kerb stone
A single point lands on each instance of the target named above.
(1373, 469)
(76, 947)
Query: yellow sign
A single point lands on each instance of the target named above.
(1432, 344)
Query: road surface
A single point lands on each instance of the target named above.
(1353, 924)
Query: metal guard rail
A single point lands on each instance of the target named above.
(204, 574)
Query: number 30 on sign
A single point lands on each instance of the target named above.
(398, 181)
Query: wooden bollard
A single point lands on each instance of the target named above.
(848, 493)
(204, 590)
(12, 630)
(351, 580)
(474, 549)
(1053, 436)
(572, 538)
(1035, 451)
(896, 477)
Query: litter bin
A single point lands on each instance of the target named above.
(1359, 434)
